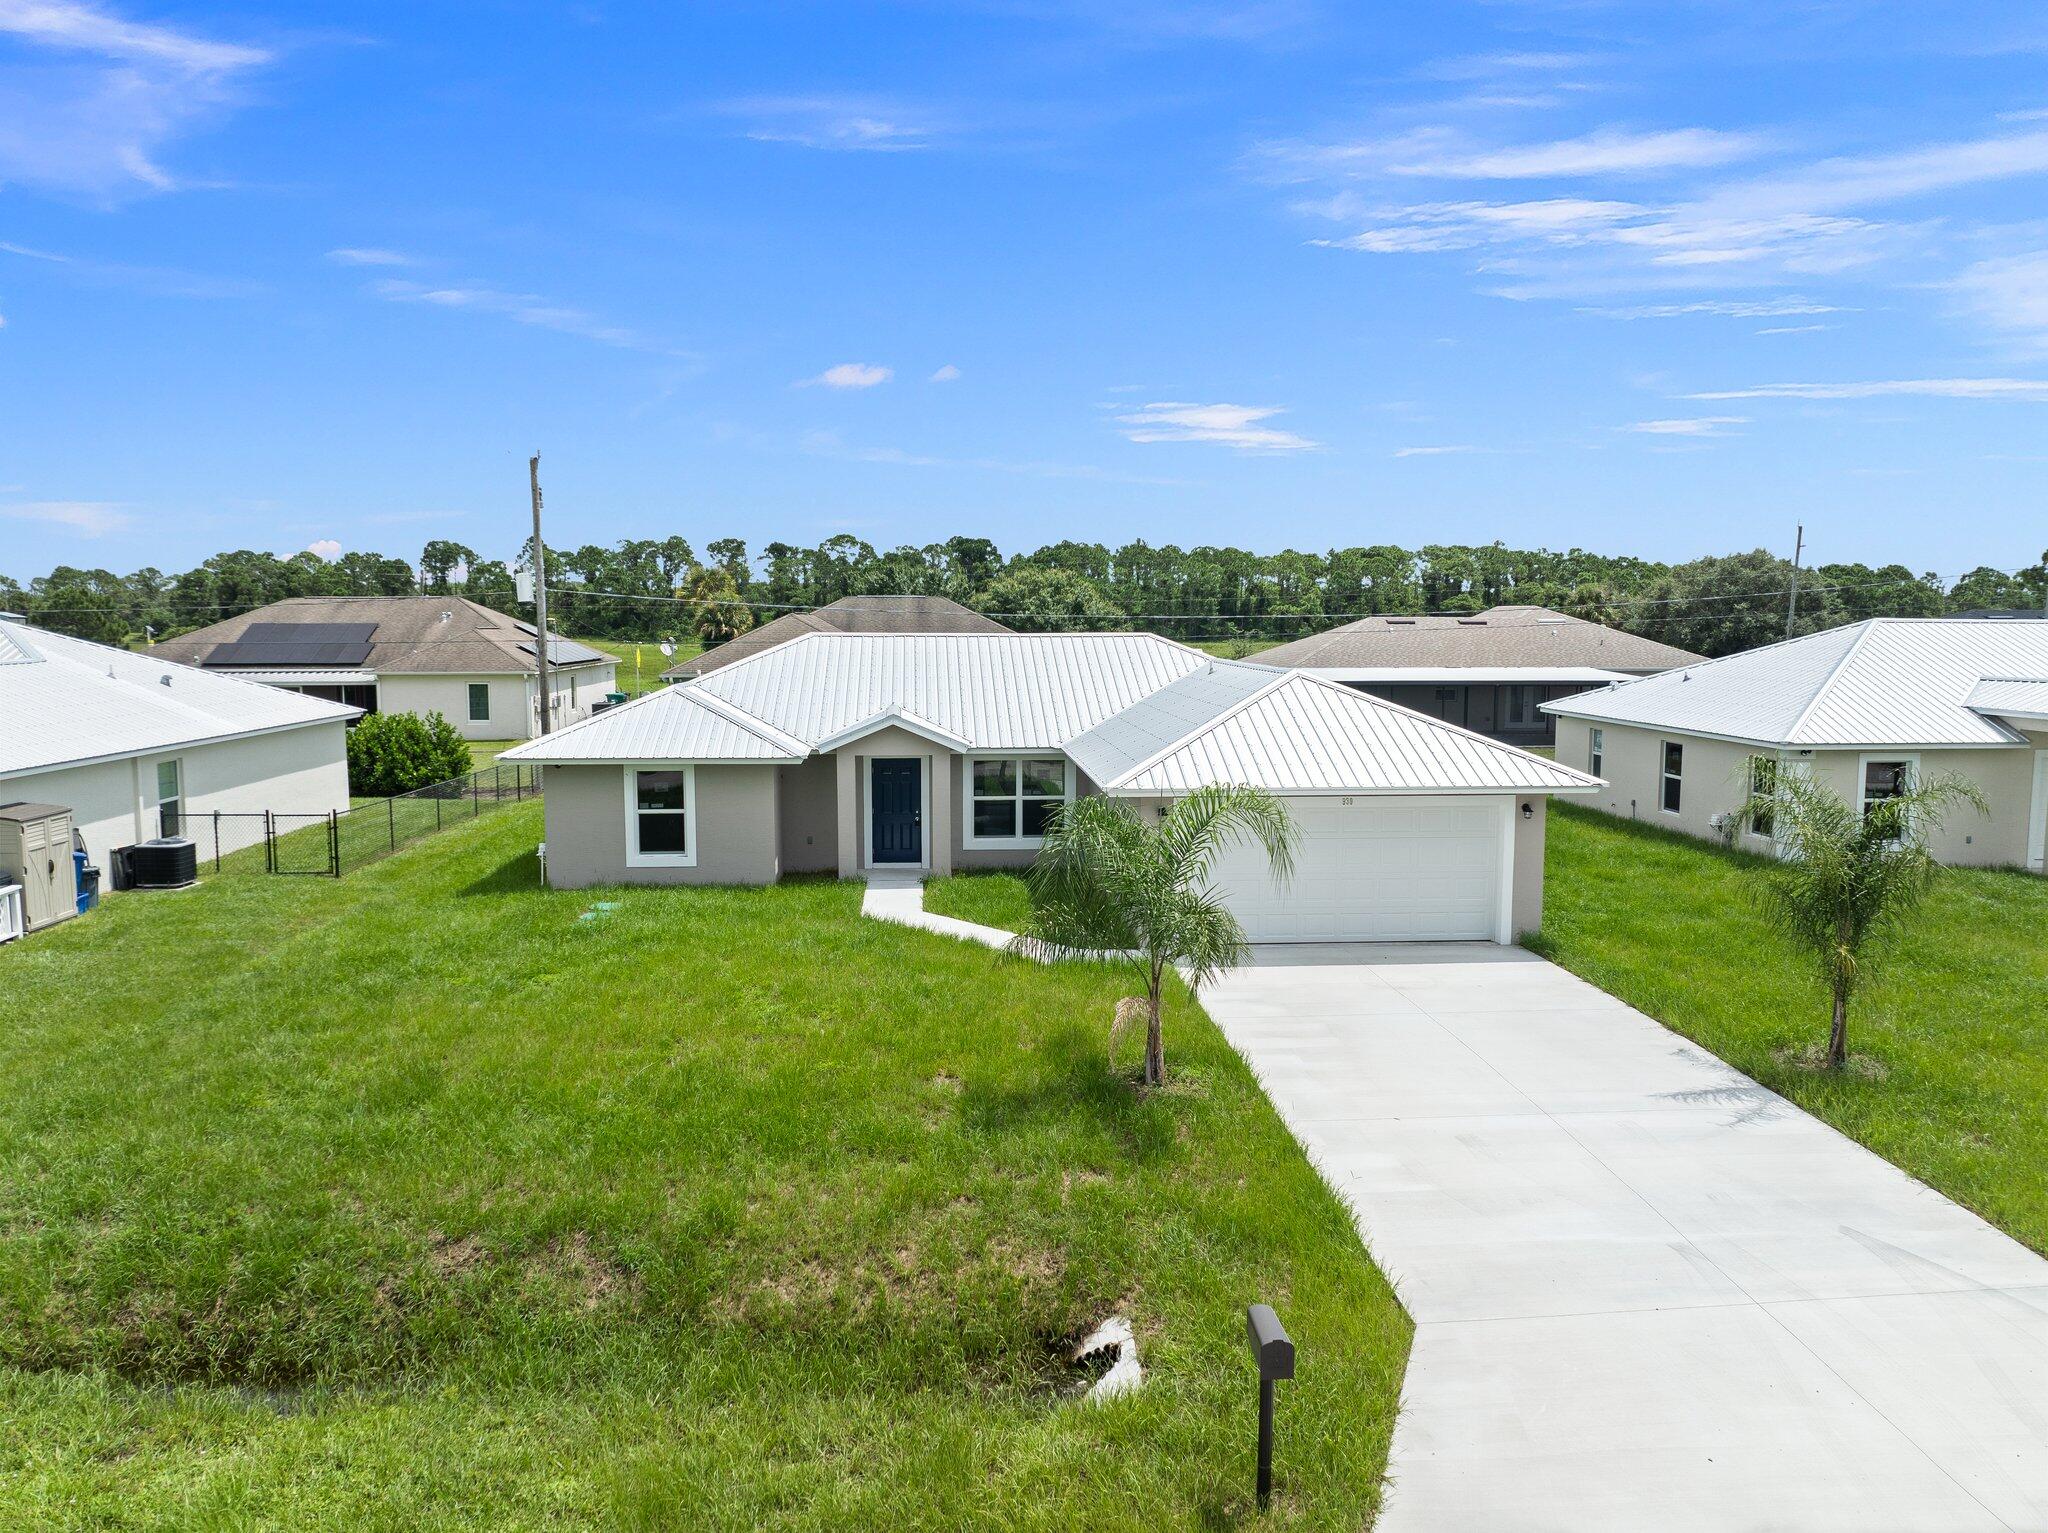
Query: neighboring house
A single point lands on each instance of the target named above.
(849, 753)
(405, 654)
(136, 747)
(1864, 709)
(1492, 671)
(849, 614)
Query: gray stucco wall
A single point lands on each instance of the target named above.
(810, 816)
(1716, 781)
(1527, 900)
(735, 830)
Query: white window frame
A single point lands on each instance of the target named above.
(1665, 775)
(177, 766)
(630, 782)
(969, 841)
(1910, 759)
(1596, 750)
(1750, 791)
(474, 716)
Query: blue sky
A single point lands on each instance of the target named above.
(1658, 279)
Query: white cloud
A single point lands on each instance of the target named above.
(369, 256)
(1609, 152)
(2032, 390)
(1221, 424)
(851, 123)
(91, 518)
(1764, 308)
(98, 125)
(1487, 66)
(2010, 294)
(946, 374)
(326, 548)
(524, 309)
(849, 375)
(1698, 425)
(1432, 452)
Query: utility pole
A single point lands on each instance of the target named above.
(1791, 607)
(540, 596)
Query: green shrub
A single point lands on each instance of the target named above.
(397, 752)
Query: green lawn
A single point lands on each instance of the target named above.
(652, 661)
(1950, 1078)
(419, 1200)
(993, 899)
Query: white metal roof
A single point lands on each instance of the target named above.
(2011, 697)
(997, 691)
(674, 724)
(1883, 682)
(67, 701)
(1297, 732)
(1447, 675)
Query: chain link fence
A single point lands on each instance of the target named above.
(342, 840)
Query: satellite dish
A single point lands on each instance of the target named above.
(668, 648)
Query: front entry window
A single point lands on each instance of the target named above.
(1014, 797)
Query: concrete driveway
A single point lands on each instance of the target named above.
(1648, 1293)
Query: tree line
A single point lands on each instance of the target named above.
(1714, 605)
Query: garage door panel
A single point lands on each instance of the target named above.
(1375, 871)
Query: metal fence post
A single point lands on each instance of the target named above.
(269, 845)
(437, 809)
(391, 820)
(334, 841)
(476, 794)
(216, 841)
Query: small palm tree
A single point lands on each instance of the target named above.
(1108, 880)
(1847, 876)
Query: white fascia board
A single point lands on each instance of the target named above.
(898, 718)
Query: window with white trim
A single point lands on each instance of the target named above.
(660, 806)
(1011, 799)
(1763, 784)
(1672, 786)
(1596, 750)
(170, 798)
(1886, 778)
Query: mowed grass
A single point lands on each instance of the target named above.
(652, 661)
(419, 1200)
(993, 899)
(1949, 1042)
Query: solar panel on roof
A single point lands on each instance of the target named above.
(298, 644)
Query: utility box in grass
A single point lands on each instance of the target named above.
(35, 852)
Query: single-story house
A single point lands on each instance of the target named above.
(136, 747)
(1492, 671)
(846, 753)
(473, 665)
(849, 614)
(1864, 709)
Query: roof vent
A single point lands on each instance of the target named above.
(447, 617)
(1405, 622)
(1471, 622)
(165, 678)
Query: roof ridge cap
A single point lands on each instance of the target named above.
(1866, 627)
(733, 714)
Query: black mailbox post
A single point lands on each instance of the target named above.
(1274, 1351)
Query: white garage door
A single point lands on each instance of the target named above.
(1376, 870)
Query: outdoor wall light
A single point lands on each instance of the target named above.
(1528, 811)
(1274, 1351)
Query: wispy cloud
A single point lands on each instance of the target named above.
(1697, 425)
(1491, 66)
(158, 281)
(1609, 152)
(96, 117)
(2031, 390)
(946, 374)
(871, 124)
(1433, 452)
(1223, 425)
(2010, 294)
(524, 309)
(356, 255)
(90, 518)
(849, 375)
(1761, 308)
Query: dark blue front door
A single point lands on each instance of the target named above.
(897, 798)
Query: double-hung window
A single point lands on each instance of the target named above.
(1886, 779)
(1673, 775)
(1596, 750)
(479, 702)
(660, 808)
(170, 798)
(1763, 785)
(1011, 799)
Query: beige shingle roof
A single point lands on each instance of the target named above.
(419, 635)
(1508, 638)
(849, 614)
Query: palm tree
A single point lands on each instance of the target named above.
(1108, 880)
(1846, 876)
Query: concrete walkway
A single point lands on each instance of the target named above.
(1648, 1293)
(899, 897)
